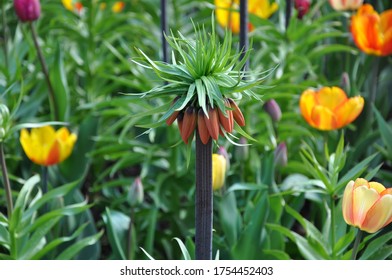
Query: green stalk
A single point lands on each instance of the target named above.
(356, 244)
(6, 181)
(332, 229)
(130, 235)
(52, 97)
(5, 37)
(203, 200)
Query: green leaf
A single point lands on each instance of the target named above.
(74, 249)
(183, 248)
(385, 130)
(375, 246)
(230, 218)
(116, 231)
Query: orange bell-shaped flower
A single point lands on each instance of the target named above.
(372, 32)
(367, 205)
(329, 108)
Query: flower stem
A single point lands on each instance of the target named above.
(5, 37)
(203, 203)
(332, 229)
(6, 181)
(130, 235)
(52, 97)
(244, 40)
(44, 182)
(356, 244)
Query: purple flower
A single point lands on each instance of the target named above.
(27, 10)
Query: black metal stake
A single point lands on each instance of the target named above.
(289, 5)
(164, 30)
(204, 198)
(244, 21)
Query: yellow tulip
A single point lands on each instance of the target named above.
(367, 205)
(118, 7)
(227, 12)
(329, 108)
(45, 146)
(218, 171)
(372, 32)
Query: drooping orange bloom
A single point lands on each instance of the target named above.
(329, 108)
(45, 146)
(372, 32)
(227, 12)
(367, 205)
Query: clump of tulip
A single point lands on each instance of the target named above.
(209, 125)
(367, 205)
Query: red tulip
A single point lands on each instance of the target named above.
(27, 10)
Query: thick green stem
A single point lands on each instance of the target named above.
(332, 229)
(356, 244)
(6, 181)
(130, 235)
(204, 196)
(52, 96)
(44, 184)
(5, 37)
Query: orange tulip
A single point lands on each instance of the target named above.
(329, 108)
(372, 32)
(367, 205)
(227, 12)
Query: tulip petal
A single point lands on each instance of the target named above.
(365, 28)
(323, 118)
(377, 186)
(386, 29)
(379, 215)
(330, 97)
(347, 204)
(306, 104)
(218, 171)
(349, 111)
(363, 200)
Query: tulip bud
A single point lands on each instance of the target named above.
(27, 10)
(273, 109)
(242, 152)
(345, 82)
(136, 192)
(281, 155)
(302, 6)
(218, 171)
(222, 151)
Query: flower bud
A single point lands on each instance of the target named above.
(273, 109)
(242, 152)
(27, 10)
(281, 155)
(218, 171)
(343, 5)
(302, 6)
(136, 192)
(222, 151)
(345, 82)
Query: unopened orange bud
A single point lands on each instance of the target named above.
(173, 116)
(202, 127)
(225, 120)
(237, 114)
(212, 123)
(189, 123)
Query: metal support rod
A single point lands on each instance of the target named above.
(203, 200)
(164, 30)
(244, 38)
